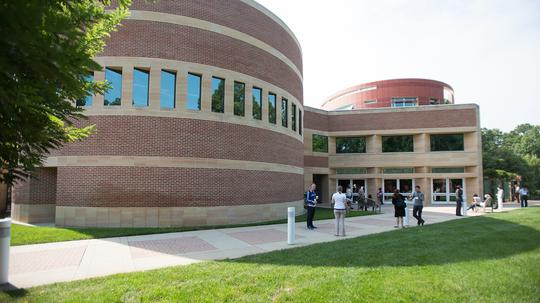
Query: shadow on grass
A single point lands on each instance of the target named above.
(12, 291)
(475, 238)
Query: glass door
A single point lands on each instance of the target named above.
(444, 190)
(405, 187)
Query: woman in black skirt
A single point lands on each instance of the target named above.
(399, 208)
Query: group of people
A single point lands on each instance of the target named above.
(400, 206)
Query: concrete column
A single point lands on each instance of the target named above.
(249, 100)
(154, 94)
(229, 97)
(278, 110)
(181, 90)
(99, 76)
(374, 144)
(127, 86)
(206, 92)
(421, 143)
(331, 145)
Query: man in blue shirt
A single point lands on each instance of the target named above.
(311, 202)
(524, 195)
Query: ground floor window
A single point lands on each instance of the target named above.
(444, 190)
(353, 185)
(405, 187)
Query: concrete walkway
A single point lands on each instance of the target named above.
(39, 264)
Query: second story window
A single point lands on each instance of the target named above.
(168, 90)
(113, 96)
(88, 100)
(394, 144)
(218, 95)
(141, 82)
(239, 98)
(272, 108)
(284, 112)
(346, 145)
(404, 102)
(193, 92)
(320, 143)
(257, 103)
(293, 116)
(447, 142)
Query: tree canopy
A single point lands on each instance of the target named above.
(46, 52)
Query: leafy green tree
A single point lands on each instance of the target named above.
(46, 52)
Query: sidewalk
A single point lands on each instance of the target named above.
(39, 264)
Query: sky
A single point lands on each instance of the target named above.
(487, 50)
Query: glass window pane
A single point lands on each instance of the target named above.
(392, 144)
(218, 95)
(293, 116)
(351, 171)
(193, 92)
(453, 142)
(439, 190)
(141, 82)
(440, 170)
(257, 103)
(405, 185)
(390, 186)
(239, 98)
(168, 89)
(320, 143)
(114, 95)
(300, 122)
(398, 170)
(272, 108)
(284, 112)
(454, 183)
(87, 101)
(350, 145)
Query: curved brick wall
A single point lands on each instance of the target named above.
(423, 89)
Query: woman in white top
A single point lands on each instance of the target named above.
(339, 200)
(500, 195)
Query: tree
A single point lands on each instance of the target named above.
(46, 52)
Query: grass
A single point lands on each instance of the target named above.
(22, 234)
(493, 258)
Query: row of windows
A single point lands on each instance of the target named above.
(397, 170)
(390, 144)
(141, 85)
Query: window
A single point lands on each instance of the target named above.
(370, 101)
(351, 171)
(452, 142)
(193, 92)
(218, 95)
(345, 107)
(87, 101)
(320, 143)
(293, 116)
(448, 170)
(433, 101)
(300, 122)
(239, 98)
(284, 112)
(114, 95)
(272, 108)
(257, 103)
(346, 145)
(141, 82)
(404, 102)
(395, 144)
(168, 89)
(398, 170)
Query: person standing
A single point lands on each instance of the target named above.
(500, 197)
(380, 196)
(418, 199)
(362, 198)
(459, 200)
(339, 200)
(517, 194)
(524, 196)
(399, 208)
(311, 201)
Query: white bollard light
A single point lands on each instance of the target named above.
(5, 232)
(291, 217)
(409, 204)
(464, 207)
(499, 204)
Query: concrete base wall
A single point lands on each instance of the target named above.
(172, 216)
(33, 213)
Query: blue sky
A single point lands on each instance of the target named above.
(488, 51)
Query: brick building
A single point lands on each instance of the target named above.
(205, 125)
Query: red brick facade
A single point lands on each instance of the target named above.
(38, 190)
(173, 187)
(155, 40)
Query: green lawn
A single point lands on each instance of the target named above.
(493, 258)
(22, 234)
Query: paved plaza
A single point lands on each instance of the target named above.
(39, 264)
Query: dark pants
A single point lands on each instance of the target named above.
(524, 202)
(458, 208)
(417, 213)
(310, 215)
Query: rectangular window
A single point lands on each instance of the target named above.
(272, 108)
(445, 170)
(370, 101)
(397, 144)
(433, 101)
(452, 142)
(87, 101)
(168, 90)
(346, 145)
(239, 98)
(351, 171)
(293, 116)
(320, 143)
(113, 96)
(404, 102)
(284, 112)
(218, 95)
(398, 170)
(257, 103)
(193, 92)
(300, 122)
(141, 82)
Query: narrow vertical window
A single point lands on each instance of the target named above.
(284, 112)
(239, 98)
(113, 96)
(218, 95)
(141, 82)
(168, 90)
(299, 121)
(272, 108)
(257, 103)
(193, 92)
(87, 101)
(293, 116)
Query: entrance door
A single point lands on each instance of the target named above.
(444, 190)
(405, 187)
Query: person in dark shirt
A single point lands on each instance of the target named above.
(399, 208)
(311, 203)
